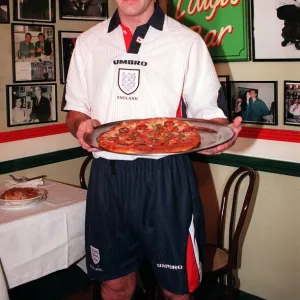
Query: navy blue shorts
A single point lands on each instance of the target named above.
(145, 210)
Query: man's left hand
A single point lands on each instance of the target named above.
(236, 125)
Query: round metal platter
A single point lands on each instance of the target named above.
(212, 134)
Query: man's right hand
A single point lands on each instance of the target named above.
(86, 126)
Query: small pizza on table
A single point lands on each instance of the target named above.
(150, 136)
(18, 193)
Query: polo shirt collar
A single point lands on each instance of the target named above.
(156, 20)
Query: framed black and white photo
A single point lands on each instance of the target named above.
(224, 95)
(276, 30)
(33, 53)
(67, 41)
(31, 104)
(4, 11)
(83, 9)
(34, 10)
(254, 101)
(292, 103)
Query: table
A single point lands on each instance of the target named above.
(45, 238)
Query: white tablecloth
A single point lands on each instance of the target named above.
(45, 238)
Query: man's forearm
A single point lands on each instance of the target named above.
(74, 118)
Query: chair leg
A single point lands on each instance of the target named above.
(230, 285)
(96, 290)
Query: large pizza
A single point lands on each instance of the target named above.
(150, 136)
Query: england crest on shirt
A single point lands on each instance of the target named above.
(128, 80)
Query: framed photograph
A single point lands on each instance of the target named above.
(34, 10)
(31, 104)
(292, 103)
(33, 53)
(83, 10)
(4, 11)
(280, 40)
(224, 95)
(254, 101)
(67, 41)
(224, 26)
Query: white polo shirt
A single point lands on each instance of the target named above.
(164, 62)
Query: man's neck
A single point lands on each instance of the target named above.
(132, 22)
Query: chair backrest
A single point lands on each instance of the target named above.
(83, 169)
(235, 181)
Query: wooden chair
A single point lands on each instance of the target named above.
(218, 260)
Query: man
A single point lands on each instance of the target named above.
(142, 208)
(41, 110)
(295, 109)
(42, 46)
(27, 47)
(256, 108)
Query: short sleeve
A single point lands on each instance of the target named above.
(76, 95)
(202, 85)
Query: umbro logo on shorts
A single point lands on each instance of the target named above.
(172, 267)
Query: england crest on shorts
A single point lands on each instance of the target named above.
(95, 255)
(128, 80)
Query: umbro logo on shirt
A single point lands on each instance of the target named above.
(130, 62)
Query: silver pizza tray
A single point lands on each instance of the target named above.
(212, 134)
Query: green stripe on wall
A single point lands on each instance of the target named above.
(265, 165)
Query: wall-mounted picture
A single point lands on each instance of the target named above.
(254, 101)
(4, 11)
(33, 53)
(280, 39)
(31, 104)
(34, 10)
(224, 95)
(67, 41)
(292, 103)
(223, 26)
(83, 9)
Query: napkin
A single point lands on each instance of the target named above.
(29, 183)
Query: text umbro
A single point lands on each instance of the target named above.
(130, 62)
(172, 267)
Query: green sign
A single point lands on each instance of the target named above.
(223, 25)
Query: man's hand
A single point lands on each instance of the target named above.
(236, 125)
(86, 126)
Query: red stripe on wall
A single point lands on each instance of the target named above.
(23, 134)
(191, 267)
(247, 132)
(271, 134)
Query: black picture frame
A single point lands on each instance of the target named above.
(291, 112)
(93, 10)
(30, 64)
(265, 111)
(23, 109)
(267, 41)
(4, 12)
(224, 95)
(42, 11)
(66, 40)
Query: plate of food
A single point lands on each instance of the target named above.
(159, 136)
(22, 196)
